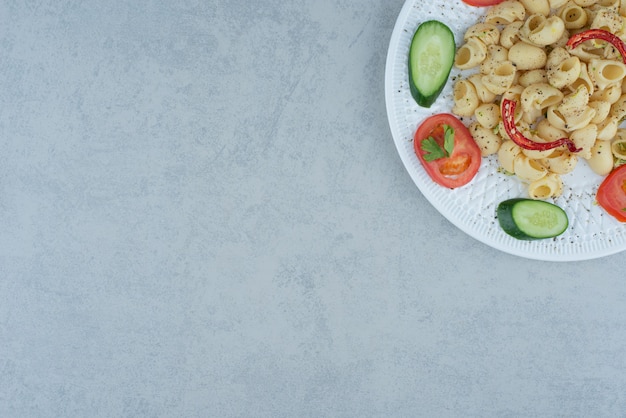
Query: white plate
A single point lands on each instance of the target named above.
(591, 234)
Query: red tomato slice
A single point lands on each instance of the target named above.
(461, 166)
(481, 3)
(612, 193)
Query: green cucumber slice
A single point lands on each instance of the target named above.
(529, 219)
(430, 60)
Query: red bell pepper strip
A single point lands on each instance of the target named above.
(601, 34)
(508, 119)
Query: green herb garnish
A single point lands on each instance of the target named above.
(433, 149)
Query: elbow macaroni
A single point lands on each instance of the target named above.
(472, 53)
(546, 187)
(508, 11)
(525, 56)
(618, 145)
(537, 7)
(605, 73)
(573, 16)
(488, 115)
(488, 141)
(518, 52)
(601, 160)
(539, 30)
(500, 78)
(465, 98)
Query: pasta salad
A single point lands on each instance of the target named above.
(545, 88)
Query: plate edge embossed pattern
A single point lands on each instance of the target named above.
(592, 233)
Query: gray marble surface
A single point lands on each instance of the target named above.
(204, 215)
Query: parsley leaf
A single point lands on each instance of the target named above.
(433, 149)
(448, 142)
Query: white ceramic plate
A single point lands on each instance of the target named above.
(591, 234)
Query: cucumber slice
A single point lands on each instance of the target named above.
(430, 60)
(529, 219)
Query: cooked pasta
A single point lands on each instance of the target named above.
(510, 34)
(607, 129)
(555, 4)
(539, 76)
(602, 110)
(610, 4)
(518, 52)
(585, 3)
(527, 57)
(618, 109)
(546, 187)
(562, 69)
(537, 155)
(485, 32)
(484, 94)
(541, 7)
(539, 96)
(583, 79)
(507, 153)
(495, 55)
(618, 145)
(470, 54)
(488, 115)
(528, 169)
(465, 98)
(604, 73)
(501, 78)
(548, 132)
(601, 160)
(611, 94)
(607, 19)
(488, 141)
(584, 139)
(573, 16)
(556, 119)
(560, 162)
(542, 31)
(506, 12)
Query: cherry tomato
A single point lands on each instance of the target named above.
(461, 165)
(612, 193)
(481, 3)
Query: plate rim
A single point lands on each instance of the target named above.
(528, 252)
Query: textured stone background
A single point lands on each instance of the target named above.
(204, 215)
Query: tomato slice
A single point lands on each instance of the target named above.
(482, 3)
(461, 165)
(612, 193)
